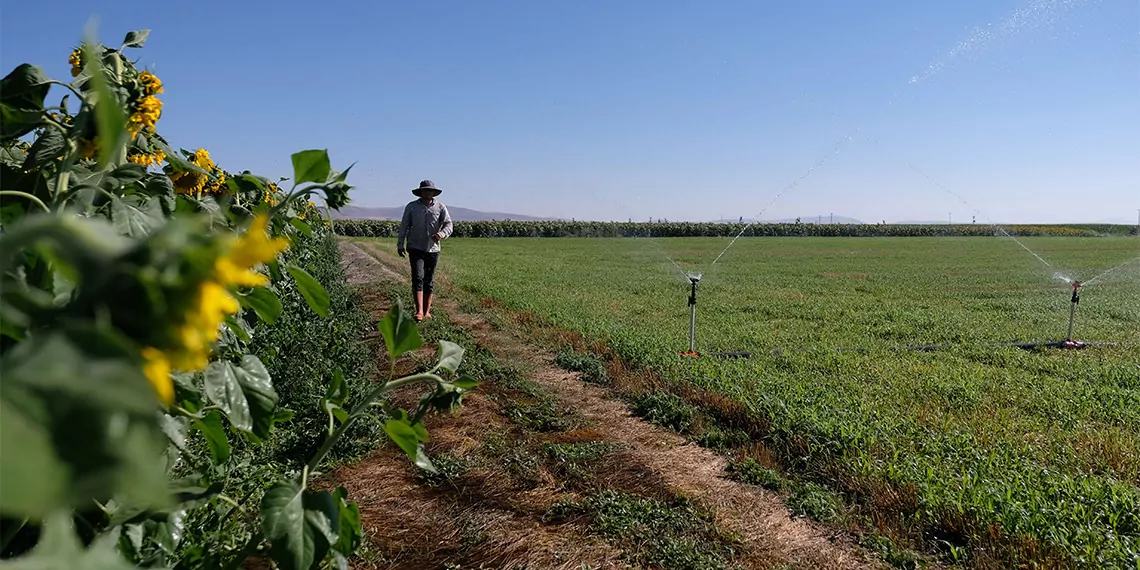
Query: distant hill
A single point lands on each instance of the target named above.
(458, 214)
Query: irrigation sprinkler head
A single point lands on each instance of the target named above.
(694, 279)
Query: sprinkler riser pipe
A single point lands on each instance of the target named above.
(1076, 299)
(693, 280)
(1072, 315)
(693, 327)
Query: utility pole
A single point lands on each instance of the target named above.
(951, 214)
(832, 218)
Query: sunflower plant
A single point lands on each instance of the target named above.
(133, 277)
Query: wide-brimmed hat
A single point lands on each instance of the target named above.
(427, 185)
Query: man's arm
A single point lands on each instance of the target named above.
(445, 228)
(405, 223)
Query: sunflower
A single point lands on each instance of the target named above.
(151, 84)
(218, 186)
(147, 112)
(88, 148)
(212, 302)
(192, 181)
(76, 61)
(148, 160)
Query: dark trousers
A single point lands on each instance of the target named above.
(423, 269)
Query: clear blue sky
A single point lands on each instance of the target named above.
(676, 109)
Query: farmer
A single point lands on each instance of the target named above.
(425, 224)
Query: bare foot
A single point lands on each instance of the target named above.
(427, 315)
(419, 317)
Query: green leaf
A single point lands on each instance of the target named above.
(337, 392)
(340, 176)
(109, 115)
(399, 331)
(310, 166)
(335, 395)
(32, 477)
(302, 226)
(282, 415)
(159, 185)
(465, 383)
(402, 433)
(137, 220)
(59, 548)
(46, 149)
(263, 398)
(135, 39)
(408, 438)
(263, 302)
(176, 160)
(175, 429)
(351, 532)
(129, 172)
(189, 490)
(252, 181)
(238, 328)
(211, 427)
(222, 389)
(450, 356)
(245, 393)
(423, 462)
(22, 95)
(77, 421)
(300, 524)
(311, 289)
(421, 432)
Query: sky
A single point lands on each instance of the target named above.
(1012, 111)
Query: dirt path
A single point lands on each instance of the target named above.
(510, 522)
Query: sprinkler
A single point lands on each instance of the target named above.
(1076, 299)
(694, 279)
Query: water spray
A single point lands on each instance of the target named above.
(694, 279)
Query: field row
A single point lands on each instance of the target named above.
(983, 451)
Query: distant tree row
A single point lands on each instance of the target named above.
(509, 228)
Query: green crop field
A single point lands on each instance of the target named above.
(981, 451)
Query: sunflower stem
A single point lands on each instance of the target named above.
(27, 196)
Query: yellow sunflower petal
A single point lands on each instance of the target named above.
(156, 367)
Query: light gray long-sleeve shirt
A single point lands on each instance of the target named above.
(420, 222)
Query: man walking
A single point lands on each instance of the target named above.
(425, 224)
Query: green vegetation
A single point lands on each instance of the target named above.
(590, 367)
(989, 454)
(665, 410)
(670, 533)
(751, 472)
(155, 324)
